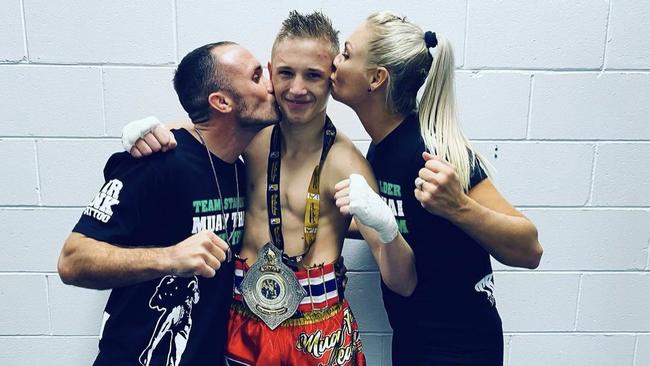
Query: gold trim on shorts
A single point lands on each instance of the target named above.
(308, 318)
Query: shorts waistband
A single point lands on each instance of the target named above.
(320, 283)
(298, 319)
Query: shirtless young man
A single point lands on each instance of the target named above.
(323, 329)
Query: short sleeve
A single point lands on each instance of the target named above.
(117, 213)
(477, 174)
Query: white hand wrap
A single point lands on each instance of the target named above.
(137, 129)
(371, 210)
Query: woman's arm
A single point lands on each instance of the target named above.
(483, 213)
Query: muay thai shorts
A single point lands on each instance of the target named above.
(322, 332)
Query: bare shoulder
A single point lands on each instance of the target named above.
(345, 158)
(343, 146)
(259, 145)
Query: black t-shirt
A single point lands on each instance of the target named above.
(454, 295)
(159, 201)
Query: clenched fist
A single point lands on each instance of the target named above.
(438, 189)
(199, 255)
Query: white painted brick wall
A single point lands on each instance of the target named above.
(628, 39)
(138, 91)
(73, 310)
(40, 100)
(570, 349)
(542, 173)
(503, 109)
(12, 47)
(592, 239)
(555, 94)
(24, 308)
(618, 165)
(18, 182)
(64, 31)
(32, 237)
(591, 106)
(525, 304)
(536, 35)
(614, 302)
(51, 351)
(643, 350)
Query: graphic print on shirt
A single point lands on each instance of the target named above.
(174, 297)
(391, 193)
(208, 215)
(100, 207)
(487, 285)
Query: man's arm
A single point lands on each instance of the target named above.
(393, 255)
(482, 213)
(395, 259)
(86, 262)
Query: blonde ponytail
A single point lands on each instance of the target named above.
(439, 126)
(399, 45)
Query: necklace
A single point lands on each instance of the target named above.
(223, 212)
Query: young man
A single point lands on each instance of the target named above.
(298, 164)
(158, 232)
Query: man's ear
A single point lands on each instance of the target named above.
(221, 102)
(379, 78)
(269, 67)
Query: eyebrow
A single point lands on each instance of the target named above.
(309, 69)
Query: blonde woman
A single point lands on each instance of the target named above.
(454, 218)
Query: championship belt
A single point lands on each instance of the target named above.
(270, 288)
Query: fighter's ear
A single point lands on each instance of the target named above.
(221, 102)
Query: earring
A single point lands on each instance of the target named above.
(369, 90)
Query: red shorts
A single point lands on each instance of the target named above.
(323, 331)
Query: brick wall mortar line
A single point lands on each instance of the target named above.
(509, 349)
(175, 28)
(24, 20)
(465, 47)
(609, 18)
(529, 117)
(647, 265)
(594, 161)
(39, 198)
(577, 313)
(103, 96)
(47, 298)
(636, 350)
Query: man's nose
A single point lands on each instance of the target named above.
(298, 87)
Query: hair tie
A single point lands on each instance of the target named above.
(430, 39)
